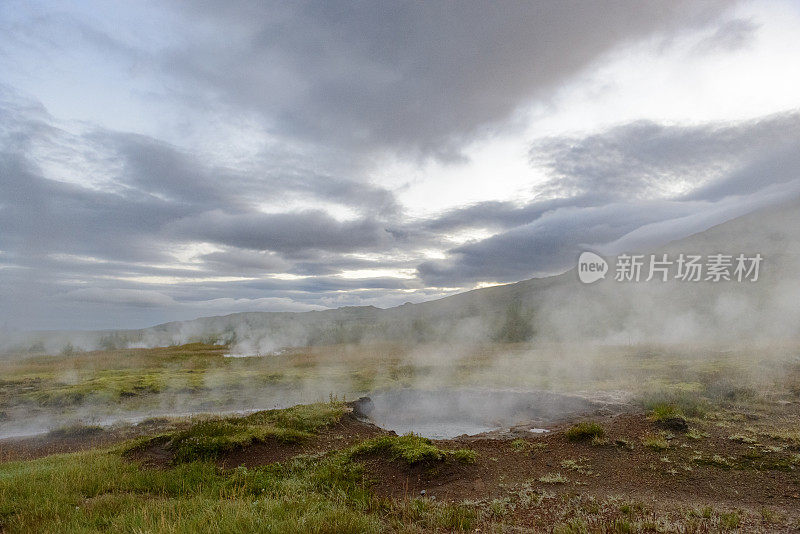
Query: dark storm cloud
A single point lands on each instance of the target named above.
(417, 76)
(619, 186)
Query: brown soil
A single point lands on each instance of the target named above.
(614, 470)
(398, 480)
(32, 447)
(640, 473)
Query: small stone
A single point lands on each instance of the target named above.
(423, 492)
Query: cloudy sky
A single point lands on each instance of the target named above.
(168, 160)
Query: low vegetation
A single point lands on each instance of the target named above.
(208, 439)
(585, 431)
(656, 443)
(553, 478)
(520, 445)
(411, 449)
(336, 488)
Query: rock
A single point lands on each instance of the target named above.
(363, 407)
(677, 424)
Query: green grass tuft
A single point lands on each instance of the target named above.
(657, 443)
(208, 439)
(663, 411)
(411, 449)
(585, 431)
(687, 402)
(464, 456)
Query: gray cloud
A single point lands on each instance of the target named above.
(133, 297)
(646, 159)
(46, 216)
(146, 199)
(281, 232)
(731, 36)
(611, 187)
(421, 77)
(244, 262)
(633, 186)
(92, 218)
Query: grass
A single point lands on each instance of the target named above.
(662, 411)
(464, 456)
(574, 526)
(98, 491)
(656, 443)
(695, 434)
(105, 383)
(430, 515)
(623, 443)
(729, 520)
(553, 478)
(676, 399)
(579, 466)
(715, 461)
(585, 431)
(790, 435)
(208, 439)
(411, 449)
(520, 445)
(742, 438)
(753, 459)
(523, 445)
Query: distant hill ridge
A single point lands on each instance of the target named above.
(554, 308)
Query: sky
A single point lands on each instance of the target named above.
(169, 160)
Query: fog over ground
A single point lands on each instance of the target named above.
(162, 162)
